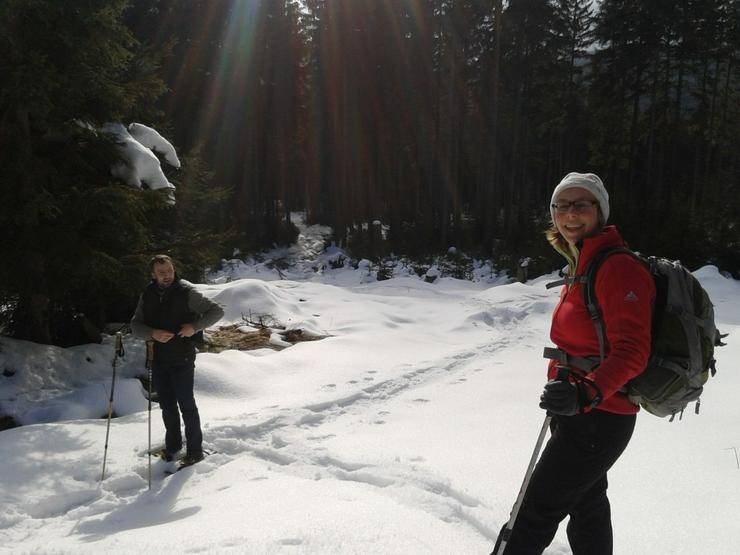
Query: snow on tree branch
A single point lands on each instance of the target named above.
(140, 166)
(151, 138)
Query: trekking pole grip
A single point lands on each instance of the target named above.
(563, 372)
(119, 344)
(149, 354)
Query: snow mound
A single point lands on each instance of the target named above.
(88, 402)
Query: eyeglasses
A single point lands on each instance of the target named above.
(580, 206)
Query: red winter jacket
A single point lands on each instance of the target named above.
(626, 292)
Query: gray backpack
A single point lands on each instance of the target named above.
(683, 336)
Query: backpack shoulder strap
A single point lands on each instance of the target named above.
(589, 292)
(566, 280)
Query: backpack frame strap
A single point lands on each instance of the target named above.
(589, 292)
(582, 363)
(669, 364)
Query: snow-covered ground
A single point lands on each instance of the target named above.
(406, 431)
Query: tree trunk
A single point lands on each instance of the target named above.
(491, 180)
(32, 319)
(711, 139)
(634, 132)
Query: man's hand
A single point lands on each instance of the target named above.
(162, 336)
(186, 330)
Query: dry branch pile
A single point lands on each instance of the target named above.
(234, 337)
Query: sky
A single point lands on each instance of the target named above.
(407, 429)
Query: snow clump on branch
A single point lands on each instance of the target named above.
(140, 166)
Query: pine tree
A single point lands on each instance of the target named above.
(72, 236)
(197, 230)
(573, 36)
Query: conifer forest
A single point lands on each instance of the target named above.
(447, 121)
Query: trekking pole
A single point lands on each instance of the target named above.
(506, 532)
(118, 353)
(149, 358)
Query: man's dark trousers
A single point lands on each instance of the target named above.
(570, 479)
(174, 385)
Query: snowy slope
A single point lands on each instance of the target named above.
(407, 430)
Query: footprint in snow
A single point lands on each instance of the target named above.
(278, 443)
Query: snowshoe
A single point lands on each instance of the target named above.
(185, 462)
(164, 454)
(191, 459)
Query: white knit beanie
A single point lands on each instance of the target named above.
(589, 181)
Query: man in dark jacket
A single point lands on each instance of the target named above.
(173, 314)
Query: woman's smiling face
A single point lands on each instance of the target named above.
(577, 220)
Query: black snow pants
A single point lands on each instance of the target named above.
(570, 479)
(174, 385)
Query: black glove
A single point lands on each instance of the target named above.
(562, 397)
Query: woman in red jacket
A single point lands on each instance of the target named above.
(593, 418)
